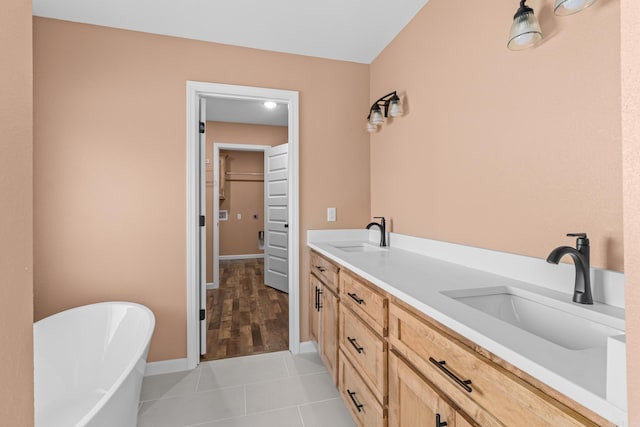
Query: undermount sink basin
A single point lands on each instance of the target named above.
(359, 247)
(563, 323)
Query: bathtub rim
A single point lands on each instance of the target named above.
(136, 356)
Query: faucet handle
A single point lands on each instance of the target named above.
(579, 235)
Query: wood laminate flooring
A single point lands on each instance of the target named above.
(244, 316)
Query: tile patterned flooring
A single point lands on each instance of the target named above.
(264, 390)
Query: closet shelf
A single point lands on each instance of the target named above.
(245, 173)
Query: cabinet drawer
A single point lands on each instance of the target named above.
(487, 392)
(366, 350)
(325, 270)
(369, 304)
(366, 410)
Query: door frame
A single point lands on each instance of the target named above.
(196, 90)
(217, 146)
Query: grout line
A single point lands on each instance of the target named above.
(199, 368)
(319, 401)
(245, 399)
(301, 417)
(286, 368)
(191, 393)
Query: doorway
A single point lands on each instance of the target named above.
(196, 281)
(247, 311)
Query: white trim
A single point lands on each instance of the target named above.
(195, 90)
(308, 347)
(211, 285)
(166, 367)
(248, 256)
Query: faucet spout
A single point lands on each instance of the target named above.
(582, 289)
(382, 225)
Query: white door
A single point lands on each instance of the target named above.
(276, 196)
(203, 229)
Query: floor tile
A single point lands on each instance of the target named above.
(166, 385)
(288, 417)
(193, 408)
(328, 413)
(238, 371)
(304, 364)
(289, 392)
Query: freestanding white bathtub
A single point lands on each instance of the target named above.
(89, 363)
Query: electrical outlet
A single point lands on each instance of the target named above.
(239, 216)
(331, 214)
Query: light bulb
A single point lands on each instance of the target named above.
(569, 7)
(270, 105)
(523, 39)
(573, 4)
(371, 127)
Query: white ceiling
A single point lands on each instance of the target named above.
(349, 30)
(244, 111)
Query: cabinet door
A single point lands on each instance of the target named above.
(412, 401)
(329, 331)
(314, 308)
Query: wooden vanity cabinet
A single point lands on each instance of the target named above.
(323, 310)
(396, 366)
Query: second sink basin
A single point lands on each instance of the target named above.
(565, 324)
(358, 247)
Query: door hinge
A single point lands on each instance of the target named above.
(202, 221)
(203, 314)
(202, 127)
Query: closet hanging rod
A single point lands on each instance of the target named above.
(244, 173)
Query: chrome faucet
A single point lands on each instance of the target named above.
(580, 255)
(383, 229)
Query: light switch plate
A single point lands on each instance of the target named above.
(331, 214)
(239, 216)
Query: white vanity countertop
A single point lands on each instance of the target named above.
(419, 280)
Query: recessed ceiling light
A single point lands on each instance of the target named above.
(270, 105)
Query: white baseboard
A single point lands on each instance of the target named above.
(212, 286)
(249, 256)
(166, 367)
(308, 347)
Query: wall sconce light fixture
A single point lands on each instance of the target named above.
(391, 104)
(525, 30)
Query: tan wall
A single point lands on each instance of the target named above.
(110, 159)
(16, 214)
(630, 55)
(244, 196)
(499, 149)
(238, 133)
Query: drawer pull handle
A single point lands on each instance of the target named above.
(320, 268)
(440, 423)
(462, 383)
(319, 299)
(355, 298)
(355, 345)
(352, 395)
